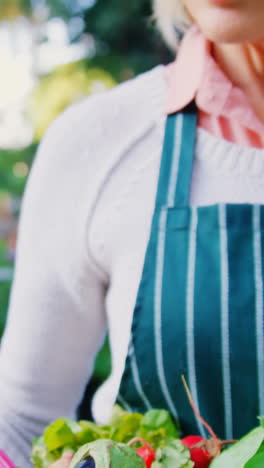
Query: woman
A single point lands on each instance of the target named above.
(114, 214)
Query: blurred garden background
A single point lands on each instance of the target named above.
(53, 53)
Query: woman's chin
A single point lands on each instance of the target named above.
(228, 26)
(227, 32)
(224, 36)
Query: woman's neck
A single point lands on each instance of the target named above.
(244, 65)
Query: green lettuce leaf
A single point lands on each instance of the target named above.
(261, 418)
(157, 419)
(122, 456)
(40, 456)
(61, 433)
(256, 462)
(174, 455)
(240, 453)
(126, 427)
(90, 432)
(107, 453)
(158, 428)
(117, 414)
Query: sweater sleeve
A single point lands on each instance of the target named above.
(56, 321)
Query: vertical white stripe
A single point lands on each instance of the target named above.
(259, 305)
(136, 377)
(158, 308)
(160, 263)
(124, 403)
(190, 315)
(175, 160)
(225, 324)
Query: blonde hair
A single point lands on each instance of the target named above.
(171, 20)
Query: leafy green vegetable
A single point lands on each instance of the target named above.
(125, 427)
(256, 462)
(174, 455)
(107, 444)
(107, 453)
(157, 419)
(117, 414)
(41, 457)
(60, 433)
(156, 427)
(261, 418)
(90, 432)
(123, 456)
(240, 453)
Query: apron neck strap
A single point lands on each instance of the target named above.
(177, 158)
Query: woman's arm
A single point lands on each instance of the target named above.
(56, 319)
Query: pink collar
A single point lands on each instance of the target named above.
(196, 75)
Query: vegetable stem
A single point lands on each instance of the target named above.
(200, 418)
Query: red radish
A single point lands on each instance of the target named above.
(199, 454)
(148, 454)
(146, 451)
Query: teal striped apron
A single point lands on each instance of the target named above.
(199, 308)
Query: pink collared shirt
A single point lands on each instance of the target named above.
(224, 109)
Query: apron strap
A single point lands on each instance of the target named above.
(177, 158)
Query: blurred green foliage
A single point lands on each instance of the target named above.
(5, 287)
(11, 9)
(64, 86)
(4, 298)
(120, 28)
(8, 158)
(126, 30)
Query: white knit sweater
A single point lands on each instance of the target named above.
(83, 234)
